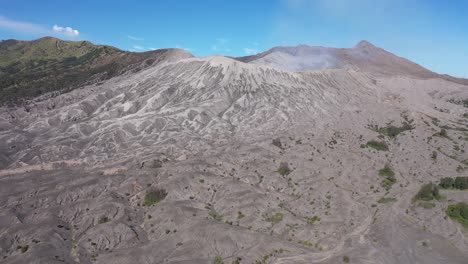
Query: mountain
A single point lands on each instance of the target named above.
(364, 56)
(216, 160)
(32, 68)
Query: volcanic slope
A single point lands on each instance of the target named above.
(197, 160)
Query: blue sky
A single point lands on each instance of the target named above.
(432, 33)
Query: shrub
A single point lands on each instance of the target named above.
(459, 213)
(393, 131)
(434, 155)
(103, 219)
(277, 142)
(345, 259)
(428, 192)
(386, 171)
(447, 183)
(216, 216)
(240, 215)
(154, 196)
(275, 218)
(384, 200)
(312, 220)
(442, 133)
(378, 145)
(389, 175)
(218, 260)
(461, 183)
(284, 170)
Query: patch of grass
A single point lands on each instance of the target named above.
(393, 131)
(385, 200)
(218, 260)
(240, 215)
(312, 220)
(305, 243)
(215, 215)
(428, 192)
(264, 259)
(103, 219)
(275, 218)
(378, 145)
(459, 213)
(389, 175)
(154, 196)
(427, 205)
(284, 169)
(386, 171)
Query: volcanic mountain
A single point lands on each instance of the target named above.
(295, 155)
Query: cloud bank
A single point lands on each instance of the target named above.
(27, 28)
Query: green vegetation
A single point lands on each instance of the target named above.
(385, 200)
(345, 259)
(393, 131)
(31, 68)
(275, 218)
(428, 192)
(103, 219)
(264, 259)
(305, 243)
(378, 145)
(218, 260)
(460, 183)
(459, 213)
(427, 205)
(284, 170)
(312, 220)
(386, 171)
(154, 196)
(389, 175)
(442, 133)
(215, 216)
(240, 215)
(434, 155)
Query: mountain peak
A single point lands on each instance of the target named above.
(364, 44)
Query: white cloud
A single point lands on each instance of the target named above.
(36, 29)
(67, 31)
(250, 51)
(139, 47)
(134, 38)
(22, 27)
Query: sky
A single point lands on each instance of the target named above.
(432, 33)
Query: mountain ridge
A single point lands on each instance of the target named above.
(212, 160)
(31, 68)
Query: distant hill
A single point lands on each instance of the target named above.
(31, 68)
